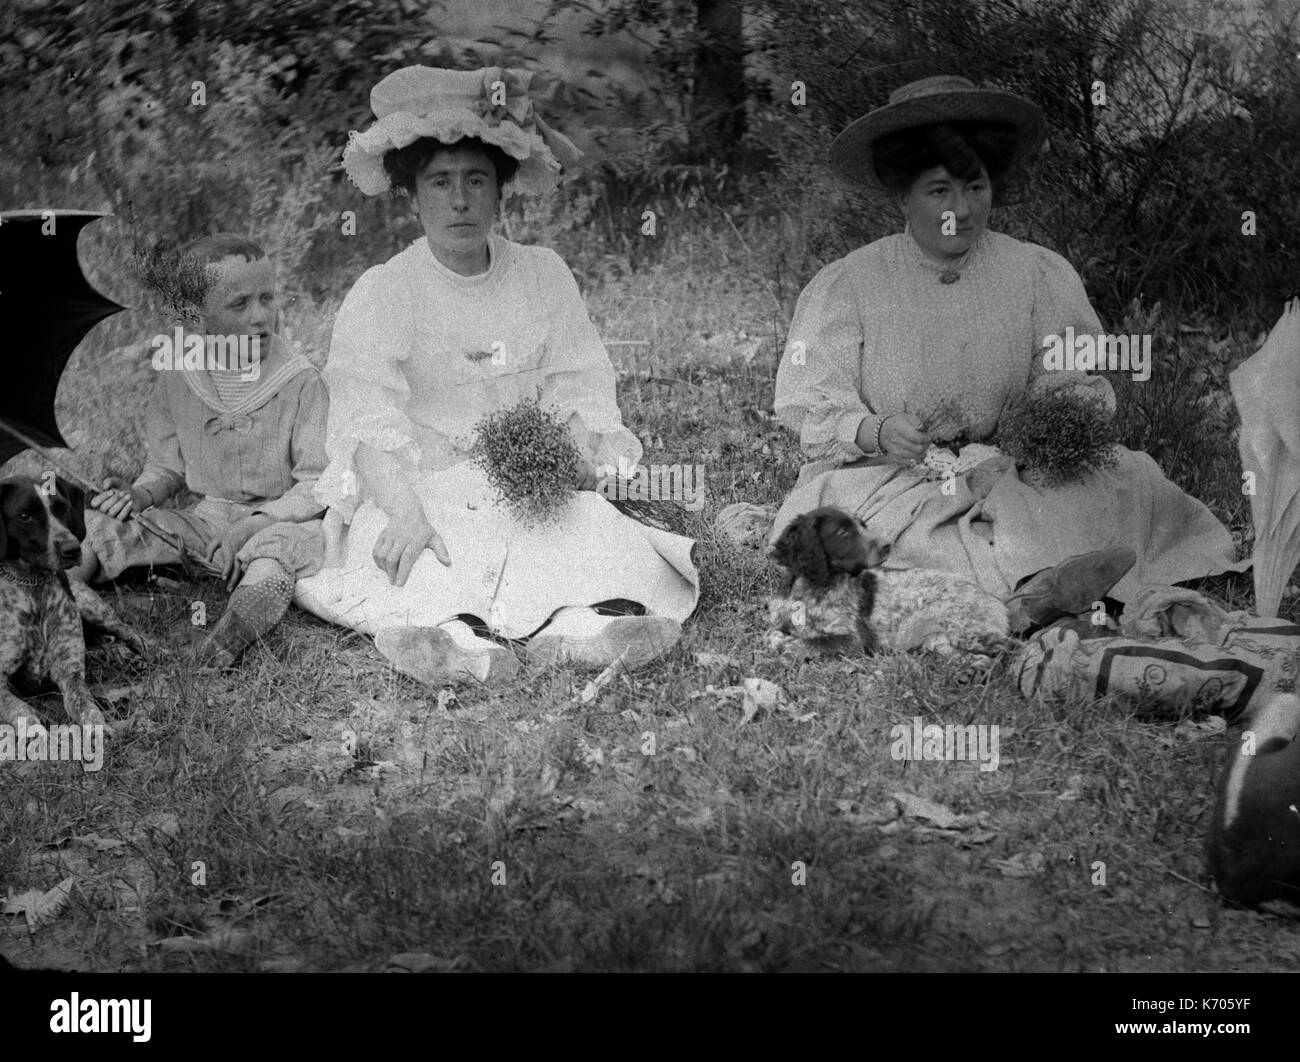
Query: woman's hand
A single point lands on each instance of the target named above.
(902, 439)
(587, 478)
(119, 502)
(232, 541)
(400, 544)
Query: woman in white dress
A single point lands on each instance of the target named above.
(951, 316)
(460, 324)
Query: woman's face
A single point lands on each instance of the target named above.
(456, 196)
(947, 213)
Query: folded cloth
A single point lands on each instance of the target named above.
(1176, 650)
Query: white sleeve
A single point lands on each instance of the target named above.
(578, 376)
(368, 390)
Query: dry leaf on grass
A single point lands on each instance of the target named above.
(851, 811)
(164, 822)
(1073, 788)
(1199, 730)
(120, 693)
(596, 686)
(935, 814)
(1022, 865)
(755, 694)
(40, 907)
(423, 962)
(231, 939)
(715, 660)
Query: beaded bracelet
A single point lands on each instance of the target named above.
(879, 426)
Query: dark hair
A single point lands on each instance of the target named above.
(184, 276)
(959, 147)
(219, 245)
(404, 165)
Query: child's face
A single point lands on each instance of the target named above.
(243, 300)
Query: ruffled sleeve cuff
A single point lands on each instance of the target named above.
(339, 485)
(828, 434)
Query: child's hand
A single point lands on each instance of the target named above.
(233, 541)
(119, 502)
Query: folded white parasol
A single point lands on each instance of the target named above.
(1266, 388)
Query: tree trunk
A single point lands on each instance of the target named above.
(717, 125)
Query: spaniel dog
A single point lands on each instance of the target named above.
(836, 598)
(830, 584)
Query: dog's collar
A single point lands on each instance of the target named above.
(25, 580)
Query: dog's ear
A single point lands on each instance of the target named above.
(799, 549)
(816, 559)
(783, 548)
(75, 496)
(7, 487)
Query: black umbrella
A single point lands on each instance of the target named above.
(47, 306)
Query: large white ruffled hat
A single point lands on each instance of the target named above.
(492, 105)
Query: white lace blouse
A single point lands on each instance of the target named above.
(420, 353)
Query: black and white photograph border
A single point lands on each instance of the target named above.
(1001, 292)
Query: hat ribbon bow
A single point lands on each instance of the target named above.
(505, 97)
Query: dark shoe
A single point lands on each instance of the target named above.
(229, 637)
(1069, 588)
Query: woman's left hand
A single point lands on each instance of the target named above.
(233, 540)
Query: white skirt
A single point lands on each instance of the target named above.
(511, 577)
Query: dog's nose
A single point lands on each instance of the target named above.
(70, 555)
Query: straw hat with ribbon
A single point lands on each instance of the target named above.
(932, 100)
(492, 105)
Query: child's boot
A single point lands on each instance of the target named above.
(257, 604)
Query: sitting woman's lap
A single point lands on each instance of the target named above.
(511, 577)
(996, 529)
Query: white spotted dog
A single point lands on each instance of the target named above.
(838, 598)
(41, 609)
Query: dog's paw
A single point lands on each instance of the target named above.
(93, 716)
(22, 718)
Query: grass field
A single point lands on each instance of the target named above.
(238, 826)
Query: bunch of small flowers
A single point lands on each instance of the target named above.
(530, 460)
(1061, 434)
(947, 418)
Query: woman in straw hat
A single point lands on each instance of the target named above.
(949, 315)
(462, 323)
